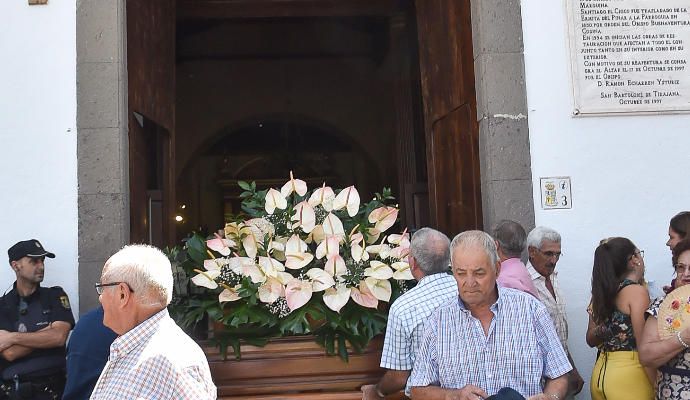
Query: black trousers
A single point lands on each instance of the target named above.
(48, 388)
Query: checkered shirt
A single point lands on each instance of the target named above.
(520, 348)
(155, 360)
(556, 307)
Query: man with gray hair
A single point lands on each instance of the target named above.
(429, 261)
(152, 357)
(544, 249)
(510, 243)
(492, 341)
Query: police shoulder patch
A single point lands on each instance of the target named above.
(64, 300)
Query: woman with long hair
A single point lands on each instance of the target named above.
(670, 355)
(616, 321)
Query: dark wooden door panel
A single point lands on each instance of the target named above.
(451, 131)
(151, 111)
(453, 165)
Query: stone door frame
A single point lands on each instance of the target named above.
(102, 146)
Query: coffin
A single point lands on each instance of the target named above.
(294, 368)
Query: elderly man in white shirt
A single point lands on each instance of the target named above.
(544, 249)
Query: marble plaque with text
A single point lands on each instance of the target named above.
(630, 56)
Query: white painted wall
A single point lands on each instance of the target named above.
(38, 142)
(629, 173)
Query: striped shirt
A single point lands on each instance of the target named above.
(155, 360)
(556, 307)
(520, 348)
(407, 316)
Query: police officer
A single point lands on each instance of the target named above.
(34, 324)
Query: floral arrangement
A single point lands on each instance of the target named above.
(301, 262)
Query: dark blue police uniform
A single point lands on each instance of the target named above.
(40, 374)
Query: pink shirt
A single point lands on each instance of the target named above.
(514, 275)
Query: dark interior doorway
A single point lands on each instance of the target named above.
(380, 92)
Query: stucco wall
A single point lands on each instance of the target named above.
(38, 156)
(628, 172)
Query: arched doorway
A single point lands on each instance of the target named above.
(264, 149)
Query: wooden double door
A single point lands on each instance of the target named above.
(437, 140)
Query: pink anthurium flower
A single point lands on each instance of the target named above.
(402, 271)
(358, 253)
(383, 218)
(274, 199)
(336, 298)
(333, 226)
(305, 217)
(294, 185)
(229, 294)
(320, 279)
(246, 266)
(296, 255)
(271, 290)
(297, 293)
(336, 266)
(324, 197)
(222, 246)
(329, 247)
(363, 296)
(348, 197)
(380, 288)
(378, 270)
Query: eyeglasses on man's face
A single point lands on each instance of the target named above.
(551, 254)
(100, 287)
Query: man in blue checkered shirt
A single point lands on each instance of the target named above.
(429, 261)
(490, 339)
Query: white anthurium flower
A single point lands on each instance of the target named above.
(324, 197)
(348, 197)
(336, 298)
(251, 245)
(294, 185)
(297, 293)
(296, 255)
(206, 278)
(373, 235)
(380, 288)
(229, 294)
(222, 246)
(401, 240)
(270, 266)
(359, 253)
(277, 248)
(246, 266)
(328, 248)
(402, 271)
(305, 217)
(213, 264)
(271, 290)
(317, 235)
(274, 199)
(336, 266)
(381, 250)
(284, 277)
(378, 270)
(363, 296)
(383, 218)
(333, 226)
(320, 279)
